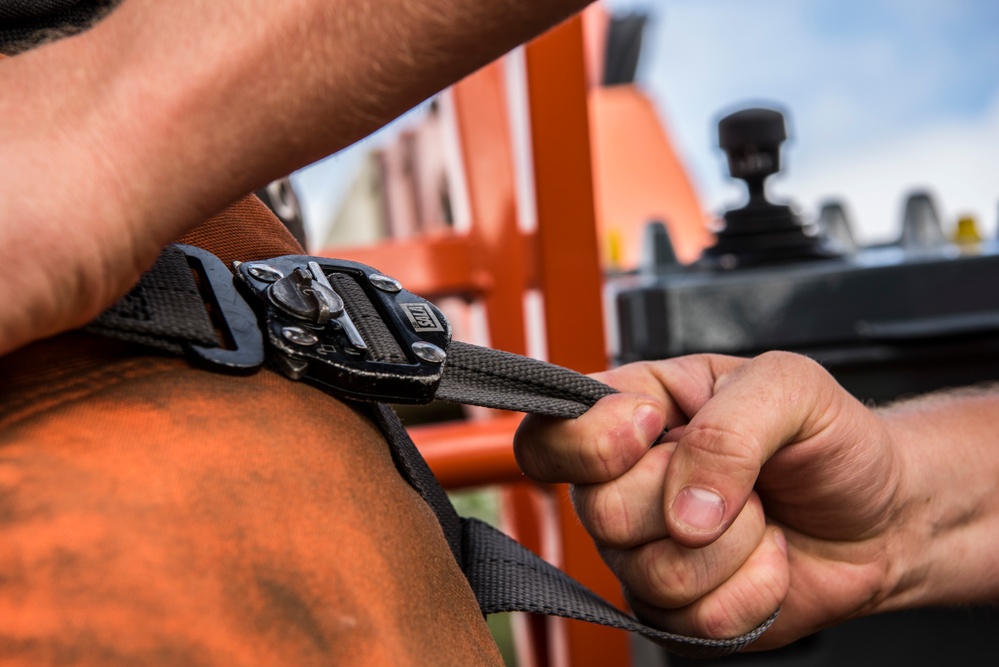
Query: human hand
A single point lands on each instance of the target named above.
(773, 487)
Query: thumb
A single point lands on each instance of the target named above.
(766, 404)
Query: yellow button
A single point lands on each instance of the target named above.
(967, 230)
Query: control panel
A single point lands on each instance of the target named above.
(909, 316)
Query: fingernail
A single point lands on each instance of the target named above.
(780, 540)
(699, 508)
(649, 423)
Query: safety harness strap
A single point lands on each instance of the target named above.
(164, 310)
(505, 576)
(357, 334)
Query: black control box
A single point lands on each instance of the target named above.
(889, 320)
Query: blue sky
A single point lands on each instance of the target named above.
(883, 96)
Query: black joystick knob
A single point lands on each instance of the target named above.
(760, 232)
(751, 138)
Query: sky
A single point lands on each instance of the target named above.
(882, 97)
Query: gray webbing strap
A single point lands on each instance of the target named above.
(507, 577)
(166, 310)
(494, 379)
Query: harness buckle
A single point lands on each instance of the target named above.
(235, 318)
(347, 328)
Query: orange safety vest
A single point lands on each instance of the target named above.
(154, 513)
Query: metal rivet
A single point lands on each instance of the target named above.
(299, 336)
(263, 272)
(384, 283)
(429, 352)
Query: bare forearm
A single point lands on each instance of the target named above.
(217, 97)
(949, 533)
(120, 139)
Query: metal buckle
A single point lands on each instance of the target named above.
(314, 311)
(234, 317)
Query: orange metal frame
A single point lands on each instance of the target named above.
(496, 264)
(571, 282)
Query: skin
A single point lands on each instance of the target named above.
(124, 137)
(809, 500)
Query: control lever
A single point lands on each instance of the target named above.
(761, 232)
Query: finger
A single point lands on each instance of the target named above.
(666, 575)
(607, 440)
(758, 408)
(672, 435)
(737, 606)
(627, 511)
(596, 447)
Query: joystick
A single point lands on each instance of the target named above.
(760, 232)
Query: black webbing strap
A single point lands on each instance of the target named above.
(166, 310)
(507, 577)
(24, 23)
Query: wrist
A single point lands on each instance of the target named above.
(948, 514)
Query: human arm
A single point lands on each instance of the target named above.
(829, 509)
(118, 140)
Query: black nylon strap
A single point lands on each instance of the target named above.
(507, 577)
(25, 23)
(414, 469)
(166, 311)
(494, 379)
(22, 8)
(381, 343)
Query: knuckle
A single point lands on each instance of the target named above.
(740, 451)
(790, 364)
(781, 358)
(606, 514)
(605, 456)
(669, 583)
(747, 605)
